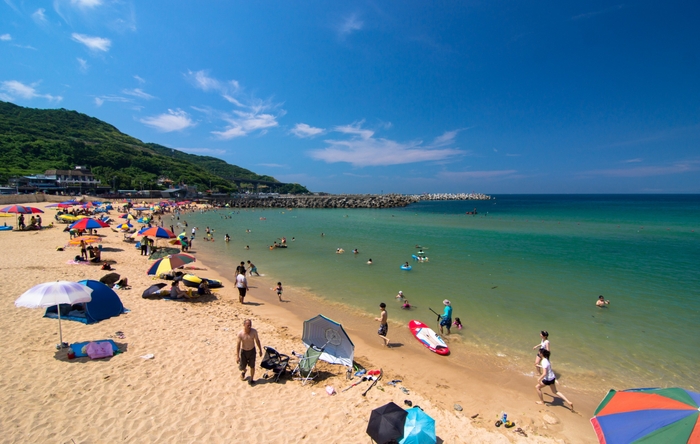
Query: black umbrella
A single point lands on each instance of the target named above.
(110, 279)
(153, 290)
(386, 423)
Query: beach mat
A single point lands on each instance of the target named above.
(78, 347)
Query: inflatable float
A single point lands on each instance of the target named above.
(6, 228)
(191, 280)
(426, 336)
(407, 268)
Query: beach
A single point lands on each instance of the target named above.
(190, 391)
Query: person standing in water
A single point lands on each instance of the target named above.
(543, 345)
(602, 302)
(446, 317)
(383, 325)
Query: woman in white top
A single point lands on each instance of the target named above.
(543, 345)
(548, 379)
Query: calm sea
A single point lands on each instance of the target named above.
(524, 263)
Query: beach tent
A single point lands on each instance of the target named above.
(105, 304)
(330, 336)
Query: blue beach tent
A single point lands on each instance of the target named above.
(105, 304)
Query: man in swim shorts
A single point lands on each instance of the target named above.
(245, 350)
(383, 325)
(252, 269)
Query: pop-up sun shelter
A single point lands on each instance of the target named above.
(105, 304)
(329, 336)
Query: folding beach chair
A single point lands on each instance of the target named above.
(275, 362)
(305, 369)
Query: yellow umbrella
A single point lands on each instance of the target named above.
(87, 239)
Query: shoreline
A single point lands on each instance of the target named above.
(191, 391)
(486, 387)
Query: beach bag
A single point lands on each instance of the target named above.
(97, 350)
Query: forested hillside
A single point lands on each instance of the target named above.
(35, 140)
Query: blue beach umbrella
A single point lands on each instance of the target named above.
(419, 428)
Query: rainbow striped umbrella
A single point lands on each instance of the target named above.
(88, 224)
(168, 263)
(648, 415)
(157, 232)
(20, 209)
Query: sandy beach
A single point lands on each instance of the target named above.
(191, 390)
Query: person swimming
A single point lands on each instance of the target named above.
(602, 302)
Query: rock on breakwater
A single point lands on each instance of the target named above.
(341, 200)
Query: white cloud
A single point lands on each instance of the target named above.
(102, 99)
(273, 165)
(137, 92)
(140, 80)
(86, 3)
(632, 160)
(363, 149)
(39, 15)
(83, 64)
(253, 113)
(5, 37)
(649, 171)
(173, 120)
(303, 130)
(242, 123)
(350, 25)
(355, 129)
(93, 43)
(13, 89)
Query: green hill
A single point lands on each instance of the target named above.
(35, 140)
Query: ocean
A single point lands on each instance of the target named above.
(524, 263)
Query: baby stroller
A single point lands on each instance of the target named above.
(275, 362)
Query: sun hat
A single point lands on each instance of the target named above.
(400, 292)
(446, 302)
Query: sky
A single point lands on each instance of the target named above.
(387, 96)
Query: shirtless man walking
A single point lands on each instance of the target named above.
(383, 325)
(245, 350)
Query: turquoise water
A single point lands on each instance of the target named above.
(523, 264)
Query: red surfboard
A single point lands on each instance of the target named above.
(426, 336)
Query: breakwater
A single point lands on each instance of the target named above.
(341, 200)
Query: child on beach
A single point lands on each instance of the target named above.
(278, 289)
(457, 323)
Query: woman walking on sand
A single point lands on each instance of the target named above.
(548, 379)
(543, 345)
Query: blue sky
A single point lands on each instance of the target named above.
(385, 96)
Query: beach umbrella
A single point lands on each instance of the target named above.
(168, 263)
(152, 290)
(88, 240)
(125, 226)
(419, 428)
(110, 279)
(651, 415)
(52, 294)
(88, 224)
(157, 232)
(386, 423)
(330, 336)
(20, 209)
(176, 241)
